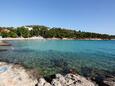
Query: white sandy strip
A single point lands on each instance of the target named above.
(38, 38)
(41, 38)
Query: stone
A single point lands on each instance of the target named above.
(71, 80)
(14, 75)
(109, 81)
(42, 82)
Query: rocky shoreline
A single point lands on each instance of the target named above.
(17, 75)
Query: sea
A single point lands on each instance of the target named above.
(87, 57)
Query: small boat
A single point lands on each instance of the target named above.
(4, 43)
(4, 46)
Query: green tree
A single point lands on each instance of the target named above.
(23, 32)
(12, 34)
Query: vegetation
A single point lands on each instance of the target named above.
(23, 32)
(47, 32)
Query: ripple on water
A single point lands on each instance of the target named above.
(53, 55)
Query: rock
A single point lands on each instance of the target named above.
(59, 81)
(109, 82)
(42, 82)
(77, 80)
(61, 78)
(15, 75)
(71, 80)
(55, 82)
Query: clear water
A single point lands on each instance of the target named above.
(53, 56)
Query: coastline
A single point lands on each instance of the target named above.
(41, 38)
(32, 38)
(16, 75)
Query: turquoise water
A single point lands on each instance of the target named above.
(54, 56)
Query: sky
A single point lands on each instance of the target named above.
(85, 15)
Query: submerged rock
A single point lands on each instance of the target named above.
(109, 82)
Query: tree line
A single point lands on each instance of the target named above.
(47, 32)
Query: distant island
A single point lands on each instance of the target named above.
(30, 31)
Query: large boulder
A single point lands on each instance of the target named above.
(71, 80)
(15, 75)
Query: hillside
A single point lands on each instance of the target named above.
(47, 32)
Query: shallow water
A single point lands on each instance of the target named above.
(53, 56)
